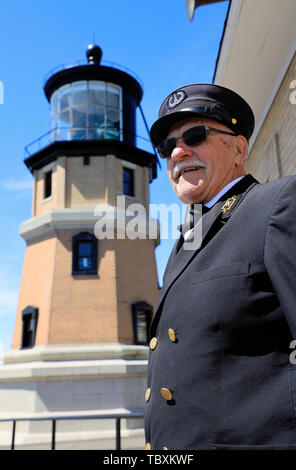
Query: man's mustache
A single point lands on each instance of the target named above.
(180, 166)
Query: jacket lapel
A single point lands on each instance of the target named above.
(206, 227)
(190, 248)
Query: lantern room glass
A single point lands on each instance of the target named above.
(86, 110)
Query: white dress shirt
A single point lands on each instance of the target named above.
(223, 191)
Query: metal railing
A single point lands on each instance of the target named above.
(54, 419)
(72, 134)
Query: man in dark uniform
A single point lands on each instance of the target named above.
(219, 373)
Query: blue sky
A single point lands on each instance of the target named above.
(153, 38)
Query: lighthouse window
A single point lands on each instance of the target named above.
(128, 182)
(79, 96)
(86, 110)
(84, 255)
(65, 97)
(47, 184)
(84, 247)
(113, 124)
(79, 117)
(142, 314)
(64, 124)
(96, 121)
(29, 317)
(113, 97)
(96, 94)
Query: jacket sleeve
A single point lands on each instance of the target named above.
(280, 251)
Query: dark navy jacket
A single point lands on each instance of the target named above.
(220, 374)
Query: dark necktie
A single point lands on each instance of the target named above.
(193, 215)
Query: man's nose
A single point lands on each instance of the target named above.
(181, 151)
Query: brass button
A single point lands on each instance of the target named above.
(153, 343)
(172, 335)
(164, 448)
(148, 446)
(166, 393)
(147, 394)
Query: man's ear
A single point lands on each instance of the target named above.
(242, 147)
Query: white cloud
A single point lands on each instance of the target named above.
(13, 184)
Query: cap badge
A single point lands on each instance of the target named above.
(176, 98)
(228, 204)
(234, 121)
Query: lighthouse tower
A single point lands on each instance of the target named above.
(80, 341)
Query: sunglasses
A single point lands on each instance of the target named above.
(193, 136)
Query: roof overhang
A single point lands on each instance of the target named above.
(258, 44)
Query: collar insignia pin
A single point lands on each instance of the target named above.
(228, 204)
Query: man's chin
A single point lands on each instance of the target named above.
(189, 198)
(190, 194)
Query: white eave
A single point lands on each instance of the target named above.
(258, 45)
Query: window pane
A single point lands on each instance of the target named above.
(28, 339)
(63, 124)
(54, 103)
(27, 322)
(128, 182)
(112, 96)
(79, 117)
(113, 118)
(96, 123)
(113, 124)
(127, 175)
(84, 263)
(47, 184)
(78, 134)
(96, 93)
(127, 189)
(79, 93)
(96, 116)
(84, 248)
(65, 96)
(28, 326)
(64, 119)
(141, 326)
